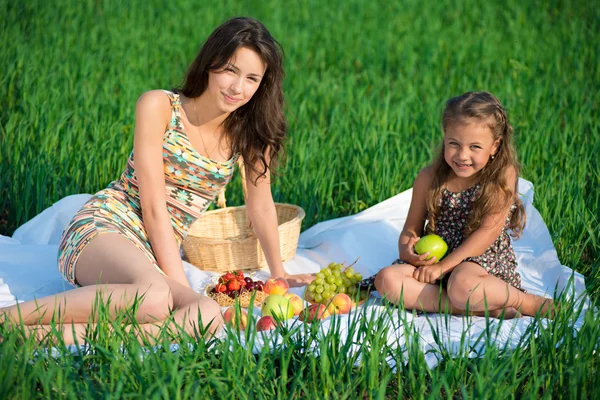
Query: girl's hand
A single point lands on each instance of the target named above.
(428, 273)
(408, 254)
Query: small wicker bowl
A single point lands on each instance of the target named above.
(244, 299)
(222, 240)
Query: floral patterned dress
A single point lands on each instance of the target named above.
(192, 182)
(498, 260)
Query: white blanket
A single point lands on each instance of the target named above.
(28, 265)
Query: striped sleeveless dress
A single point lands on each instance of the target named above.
(192, 182)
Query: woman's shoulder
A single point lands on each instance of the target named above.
(154, 102)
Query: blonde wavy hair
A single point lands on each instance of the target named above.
(494, 194)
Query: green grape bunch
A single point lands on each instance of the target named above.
(335, 278)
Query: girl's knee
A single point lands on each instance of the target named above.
(390, 281)
(461, 284)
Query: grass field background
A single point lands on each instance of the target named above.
(365, 87)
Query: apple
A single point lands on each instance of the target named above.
(276, 286)
(236, 318)
(341, 303)
(314, 312)
(278, 307)
(296, 302)
(266, 323)
(433, 244)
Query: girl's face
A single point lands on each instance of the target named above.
(468, 147)
(234, 85)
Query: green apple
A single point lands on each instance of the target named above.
(433, 244)
(278, 307)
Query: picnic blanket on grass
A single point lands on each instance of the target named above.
(28, 269)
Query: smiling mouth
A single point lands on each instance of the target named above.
(459, 165)
(230, 99)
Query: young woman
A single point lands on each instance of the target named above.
(124, 242)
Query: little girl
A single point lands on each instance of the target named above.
(469, 197)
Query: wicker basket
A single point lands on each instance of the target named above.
(223, 240)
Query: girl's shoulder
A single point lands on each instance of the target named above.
(424, 178)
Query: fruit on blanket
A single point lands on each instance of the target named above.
(314, 312)
(276, 286)
(334, 279)
(296, 302)
(266, 323)
(341, 303)
(433, 244)
(278, 307)
(237, 318)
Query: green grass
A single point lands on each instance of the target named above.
(366, 82)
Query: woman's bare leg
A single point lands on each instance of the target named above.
(192, 310)
(112, 267)
(396, 283)
(470, 284)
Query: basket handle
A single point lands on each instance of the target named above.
(221, 200)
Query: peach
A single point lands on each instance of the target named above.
(236, 318)
(276, 286)
(296, 302)
(266, 323)
(341, 303)
(314, 312)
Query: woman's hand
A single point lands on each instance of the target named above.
(299, 279)
(407, 254)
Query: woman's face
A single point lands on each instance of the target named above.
(234, 85)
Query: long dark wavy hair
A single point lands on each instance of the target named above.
(259, 125)
(494, 194)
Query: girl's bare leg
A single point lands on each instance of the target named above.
(396, 282)
(469, 283)
(113, 267)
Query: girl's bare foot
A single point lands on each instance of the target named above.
(533, 304)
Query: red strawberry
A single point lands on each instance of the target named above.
(240, 275)
(220, 288)
(234, 285)
(229, 276)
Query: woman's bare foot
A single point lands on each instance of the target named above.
(506, 313)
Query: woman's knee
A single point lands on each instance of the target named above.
(210, 314)
(204, 315)
(153, 298)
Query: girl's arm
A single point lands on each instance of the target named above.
(152, 115)
(475, 245)
(415, 221)
(263, 216)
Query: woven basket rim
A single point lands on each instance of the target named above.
(298, 218)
